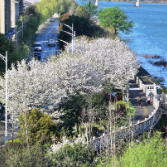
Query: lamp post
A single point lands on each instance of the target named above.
(5, 59)
(73, 34)
(63, 41)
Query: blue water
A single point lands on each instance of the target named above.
(149, 35)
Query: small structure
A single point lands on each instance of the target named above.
(137, 3)
(96, 3)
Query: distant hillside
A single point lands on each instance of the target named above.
(142, 1)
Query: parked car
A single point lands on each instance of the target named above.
(37, 56)
(38, 46)
(51, 42)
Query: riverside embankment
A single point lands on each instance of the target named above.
(149, 34)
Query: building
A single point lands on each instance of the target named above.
(10, 10)
(5, 16)
(21, 7)
(27, 3)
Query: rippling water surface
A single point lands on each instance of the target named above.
(149, 35)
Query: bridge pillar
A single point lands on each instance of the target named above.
(137, 3)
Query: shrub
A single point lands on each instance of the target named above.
(151, 152)
(40, 127)
(33, 156)
(73, 156)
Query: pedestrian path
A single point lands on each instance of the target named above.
(146, 109)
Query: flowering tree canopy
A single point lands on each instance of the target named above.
(44, 84)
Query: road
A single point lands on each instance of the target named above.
(48, 32)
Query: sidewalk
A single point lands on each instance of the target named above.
(146, 109)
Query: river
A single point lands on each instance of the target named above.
(149, 36)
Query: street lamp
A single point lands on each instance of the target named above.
(73, 35)
(5, 59)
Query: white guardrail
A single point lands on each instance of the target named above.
(107, 140)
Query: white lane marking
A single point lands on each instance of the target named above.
(51, 30)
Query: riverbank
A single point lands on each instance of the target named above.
(142, 1)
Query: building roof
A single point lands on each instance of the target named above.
(27, 3)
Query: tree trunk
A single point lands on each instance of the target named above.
(115, 31)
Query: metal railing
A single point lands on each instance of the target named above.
(106, 140)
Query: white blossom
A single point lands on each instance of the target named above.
(45, 83)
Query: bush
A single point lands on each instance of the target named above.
(33, 156)
(40, 127)
(73, 156)
(151, 152)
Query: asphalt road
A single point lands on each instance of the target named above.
(48, 32)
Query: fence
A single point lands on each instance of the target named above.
(107, 140)
(149, 89)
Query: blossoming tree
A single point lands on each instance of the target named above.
(45, 83)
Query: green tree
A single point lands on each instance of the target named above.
(5, 45)
(14, 53)
(72, 111)
(91, 8)
(81, 12)
(115, 18)
(40, 127)
(99, 105)
(151, 152)
(82, 26)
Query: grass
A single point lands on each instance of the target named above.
(14, 141)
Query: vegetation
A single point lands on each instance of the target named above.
(34, 156)
(99, 105)
(72, 111)
(38, 156)
(41, 11)
(77, 155)
(82, 26)
(150, 152)
(86, 109)
(91, 8)
(40, 127)
(115, 18)
(15, 53)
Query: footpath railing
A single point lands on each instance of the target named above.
(107, 140)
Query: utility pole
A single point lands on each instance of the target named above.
(72, 39)
(75, 41)
(5, 59)
(6, 130)
(73, 35)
